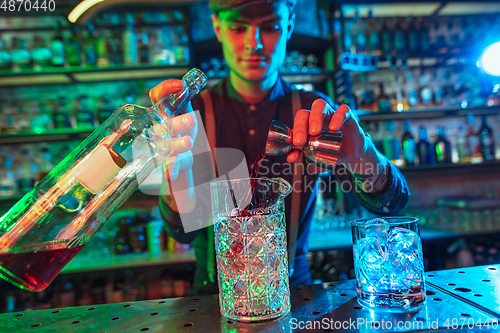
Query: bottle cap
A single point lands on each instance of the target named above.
(195, 78)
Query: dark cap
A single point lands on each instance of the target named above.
(217, 6)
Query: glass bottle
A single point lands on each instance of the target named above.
(74, 49)
(90, 45)
(373, 35)
(129, 38)
(115, 47)
(387, 33)
(384, 102)
(463, 146)
(21, 55)
(473, 137)
(413, 35)
(442, 147)
(61, 115)
(487, 141)
(44, 230)
(424, 148)
(400, 43)
(102, 49)
(5, 55)
(42, 55)
(57, 47)
(144, 55)
(409, 144)
(85, 116)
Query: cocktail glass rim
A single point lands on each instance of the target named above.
(391, 220)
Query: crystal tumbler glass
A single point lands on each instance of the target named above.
(251, 248)
(388, 263)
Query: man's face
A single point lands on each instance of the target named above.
(254, 39)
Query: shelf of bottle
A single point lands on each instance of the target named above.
(97, 27)
(450, 168)
(428, 112)
(61, 75)
(89, 264)
(58, 134)
(341, 238)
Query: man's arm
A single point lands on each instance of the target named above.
(377, 183)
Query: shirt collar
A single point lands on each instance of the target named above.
(276, 92)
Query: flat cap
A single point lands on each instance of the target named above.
(217, 6)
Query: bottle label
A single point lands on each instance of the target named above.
(100, 168)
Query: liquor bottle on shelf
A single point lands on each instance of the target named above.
(21, 55)
(400, 43)
(74, 49)
(5, 55)
(337, 30)
(384, 102)
(399, 102)
(373, 35)
(57, 47)
(474, 140)
(8, 185)
(442, 147)
(437, 39)
(412, 90)
(391, 145)
(414, 34)
(409, 144)
(25, 175)
(85, 116)
(62, 115)
(425, 44)
(463, 146)
(387, 36)
(144, 55)
(358, 31)
(115, 47)
(368, 100)
(86, 188)
(487, 140)
(42, 56)
(105, 109)
(348, 37)
(45, 165)
(129, 37)
(90, 45)
(424, 148)
(102, 49)
(426, 93)
(123, 236)
(454, 37)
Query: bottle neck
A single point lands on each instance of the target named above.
(170, 105)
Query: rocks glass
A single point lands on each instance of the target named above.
(388, 263)
(251, 248)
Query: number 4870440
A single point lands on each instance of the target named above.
(27, 5)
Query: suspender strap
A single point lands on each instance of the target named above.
(211, 134)
(295, 207)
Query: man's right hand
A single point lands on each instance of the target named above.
(184, 130)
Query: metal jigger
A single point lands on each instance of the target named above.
(321, 150)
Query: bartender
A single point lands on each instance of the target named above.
(237, 112)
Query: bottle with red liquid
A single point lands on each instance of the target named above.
(42, 232)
